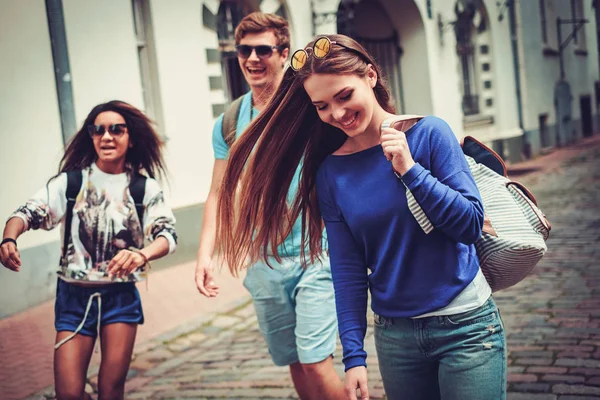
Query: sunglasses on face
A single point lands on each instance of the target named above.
(320, 49)
(262, 51)
(114, 130)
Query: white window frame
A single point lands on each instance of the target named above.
(147, 62)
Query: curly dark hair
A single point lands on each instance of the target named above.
(145, 154)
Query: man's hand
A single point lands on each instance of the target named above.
(356, 378)
(124, 263)
(10, 257)
(205, 281)
(395, 148)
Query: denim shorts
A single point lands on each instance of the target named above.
(295, 308)
(453, 357)
(120, 302)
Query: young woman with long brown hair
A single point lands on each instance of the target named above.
(438, 333)
(103, 252)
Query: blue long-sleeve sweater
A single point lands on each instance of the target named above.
(369, 226)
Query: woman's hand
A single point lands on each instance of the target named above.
(10, 257)
(356, 378)
(395, 148)
(124, 263)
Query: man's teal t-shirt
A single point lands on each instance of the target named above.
(292, 244)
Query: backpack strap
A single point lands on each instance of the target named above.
(484, 155)
(401, 122)
(74, 179)
(137, 189)
(230, 118)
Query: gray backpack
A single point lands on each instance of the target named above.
(515, 230)
(230, 117)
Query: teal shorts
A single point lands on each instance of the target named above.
(295, 308)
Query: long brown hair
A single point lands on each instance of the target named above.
(253, 215)
(145, 154)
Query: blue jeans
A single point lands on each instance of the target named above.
(454, 357)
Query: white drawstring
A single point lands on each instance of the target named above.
(87, 310)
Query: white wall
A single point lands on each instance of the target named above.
(181, 42)
(592, 41)
(506, 117)
(443, 65)
(102, 54)
(31, 133)
(541, 72)
(592, 48)
(31, 142)
(301, 22)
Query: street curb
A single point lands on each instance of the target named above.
(554, 159)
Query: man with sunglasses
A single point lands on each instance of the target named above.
(295, 306)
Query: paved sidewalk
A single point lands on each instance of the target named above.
(552, 318)
(172, 305)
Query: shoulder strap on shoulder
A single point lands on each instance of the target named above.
(137, 189)
(74, 179)
(401, 122)
(230, 118)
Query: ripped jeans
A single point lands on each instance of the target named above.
(453, 357)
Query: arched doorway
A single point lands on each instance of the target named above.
(394, 33)
(376, 33)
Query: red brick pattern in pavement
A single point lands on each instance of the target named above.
(172, 301)
(552, 318)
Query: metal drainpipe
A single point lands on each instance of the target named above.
(62, 70)
(515, 50)
(597, 8)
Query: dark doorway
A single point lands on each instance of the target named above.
(382, 46)
(236, 84)
(544, 134)
(229, 16)
(587, 127)
(387, 53)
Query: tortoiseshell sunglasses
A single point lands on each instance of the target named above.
(320, 49)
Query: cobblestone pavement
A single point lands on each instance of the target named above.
(552, 319)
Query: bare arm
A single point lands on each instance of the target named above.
(9, 254)
(127, 261)
(204, 270)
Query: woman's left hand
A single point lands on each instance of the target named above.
(124, 263)
(395, 148)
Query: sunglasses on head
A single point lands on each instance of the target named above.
(262, 50)
(100, 130)
(320, 49)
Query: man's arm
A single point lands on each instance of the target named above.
(204, 270)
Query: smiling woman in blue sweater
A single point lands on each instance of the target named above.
(438, 333)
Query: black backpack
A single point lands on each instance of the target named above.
(137, 188)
